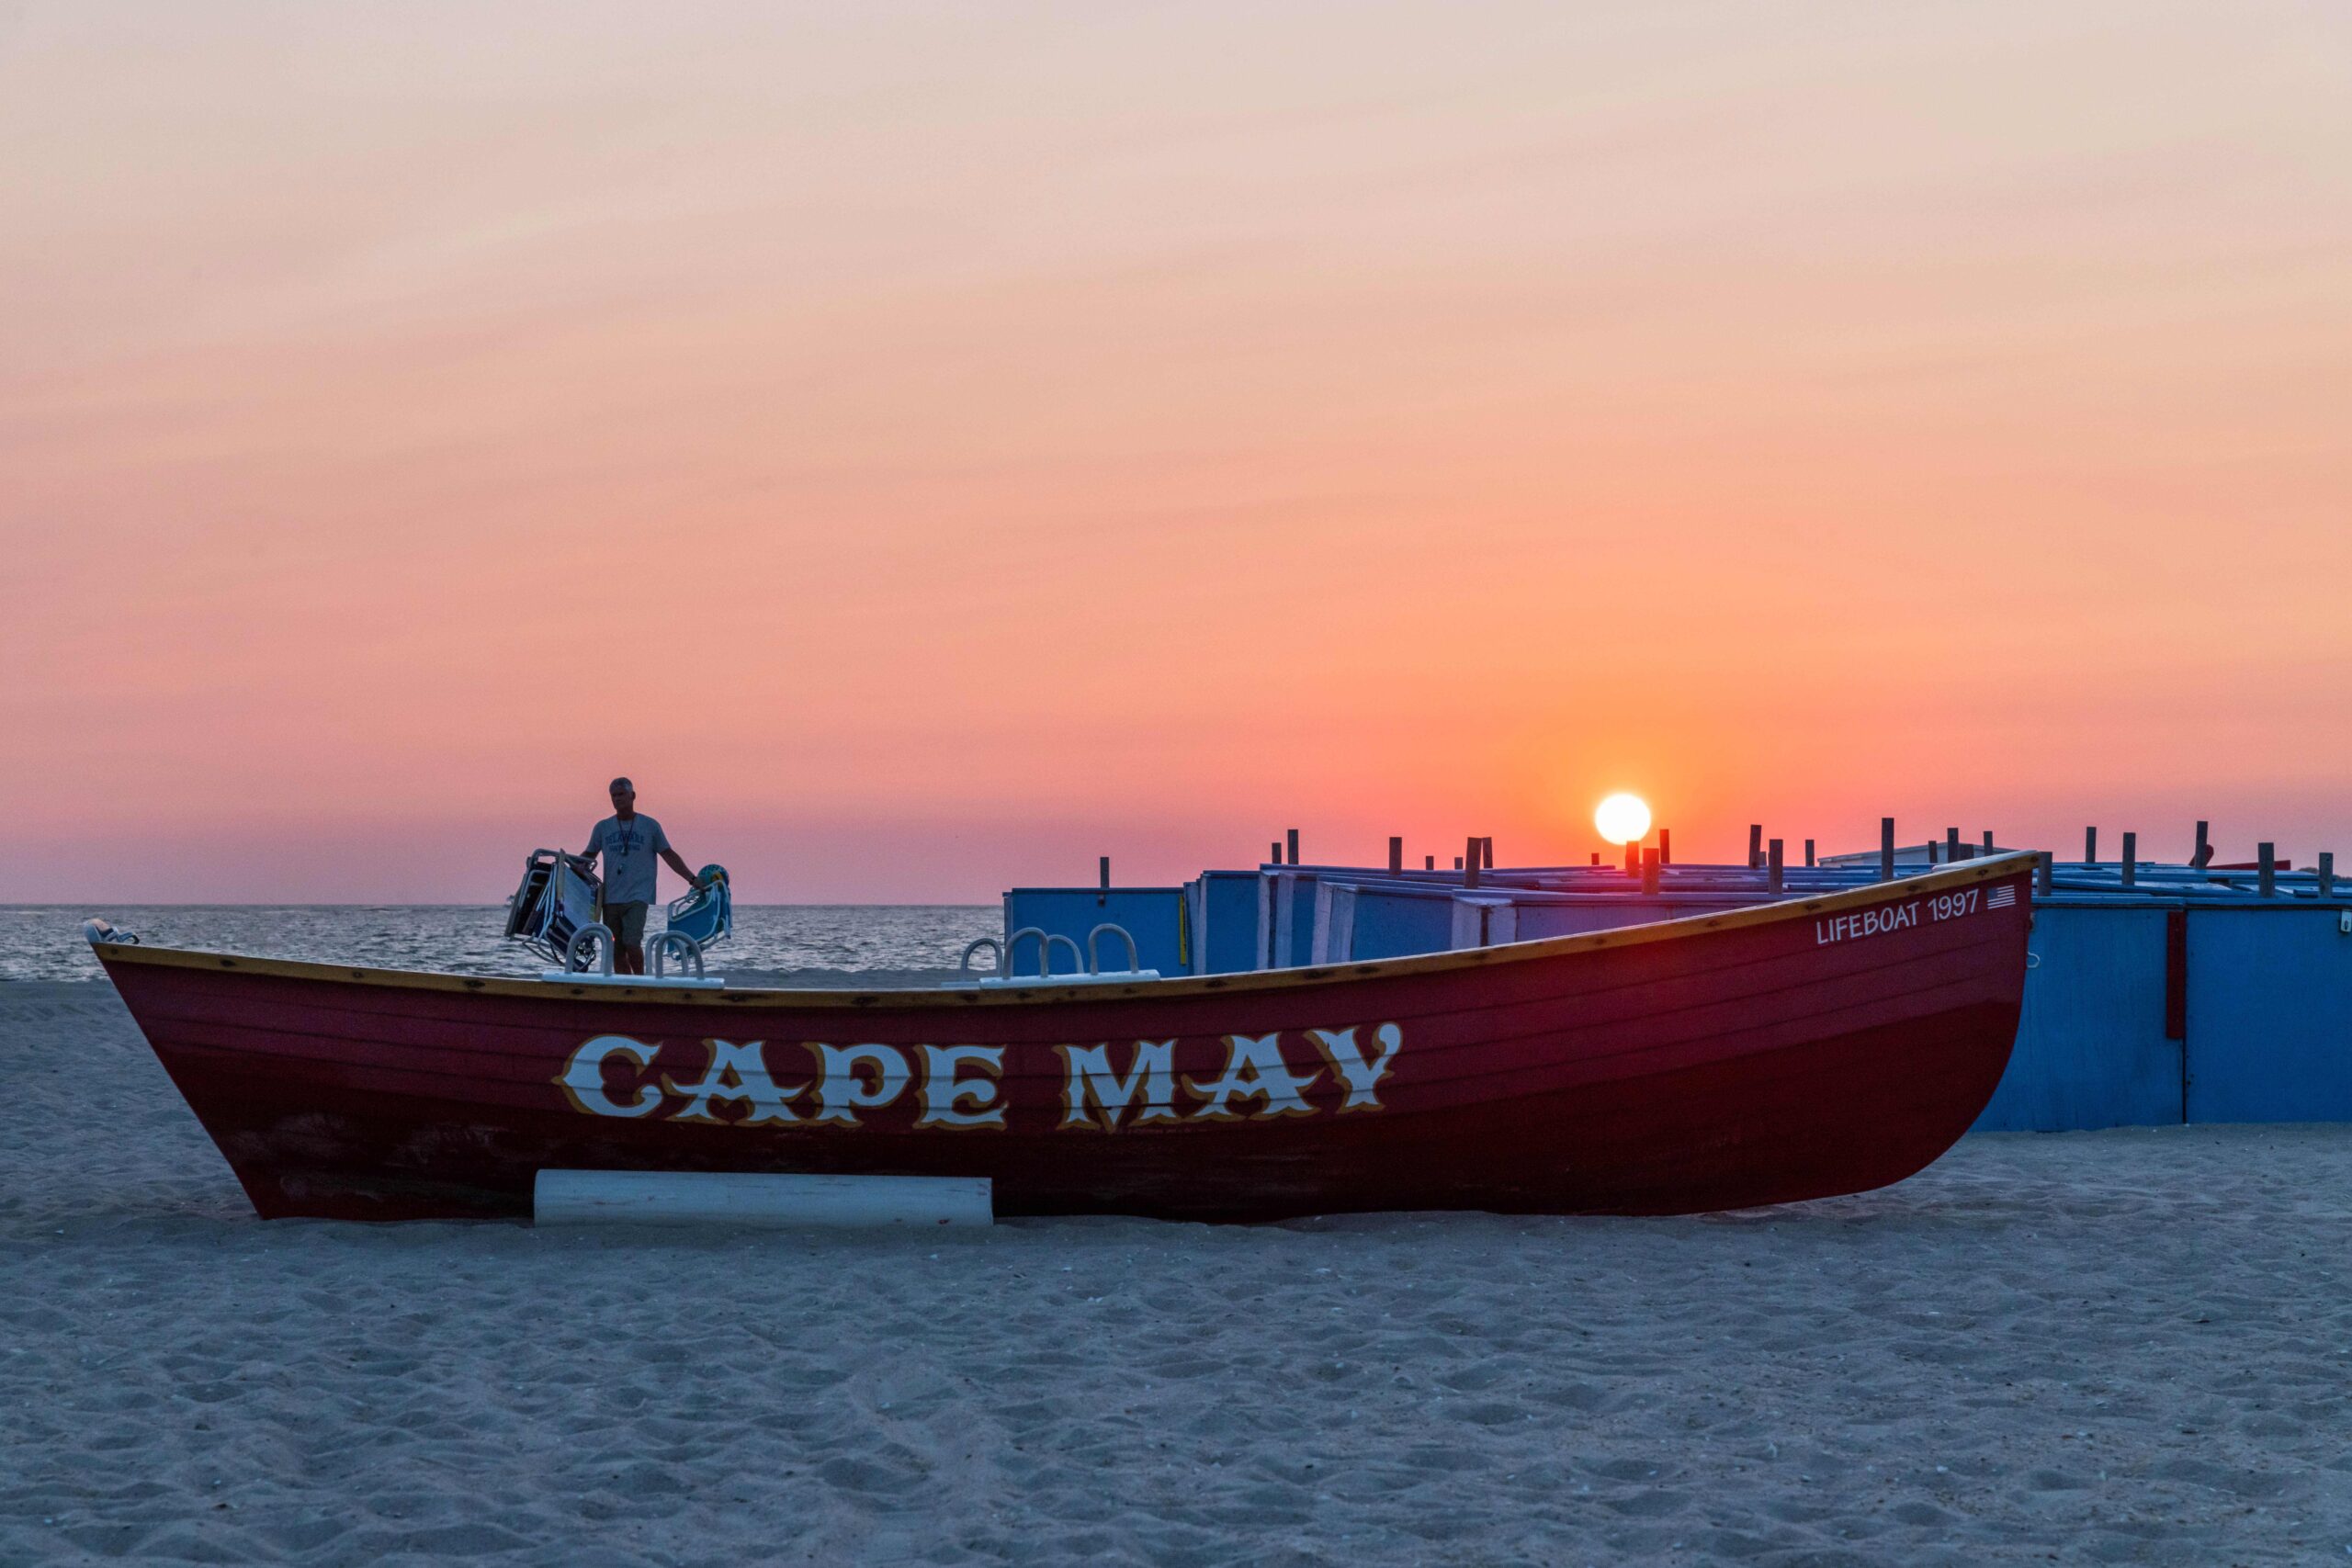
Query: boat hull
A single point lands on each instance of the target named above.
(1794, 1051)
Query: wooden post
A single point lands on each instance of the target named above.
(1292, 837)
(1755, 845)
(2204, 854)
(1772, 876)
(1486, 853)
(2131, 859)
(2090, 846)
(1633, 859)
(1664, 847)
(1951, 845)
(1457, 862)
(1106, 884)
(1470, 854)
(1428, 862)
(1808, 851)
(1886, 849)
(1396, 854)
(2044, 873)
(1649, 871)
(1988, 840)
(1596, 857)
(2327, 874)
(2265, 857)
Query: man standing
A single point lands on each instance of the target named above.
(629, 843)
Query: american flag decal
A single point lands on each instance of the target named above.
(2001, 897)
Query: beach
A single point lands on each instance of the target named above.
(2129, 1346)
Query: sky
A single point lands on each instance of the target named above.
(928, 448)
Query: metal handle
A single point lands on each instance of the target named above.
(575, 956)
(688, 950)
(1094, 959)
(1045, 945)
(964, 965)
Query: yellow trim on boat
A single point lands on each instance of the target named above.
(1965, 874)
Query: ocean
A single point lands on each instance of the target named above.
(43, 942)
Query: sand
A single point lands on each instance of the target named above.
(2128, 1347)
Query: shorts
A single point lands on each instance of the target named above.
(626, 922)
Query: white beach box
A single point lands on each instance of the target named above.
(747, 1199)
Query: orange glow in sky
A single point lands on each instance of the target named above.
(929, 448)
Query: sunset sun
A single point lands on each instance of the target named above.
(1622, 818)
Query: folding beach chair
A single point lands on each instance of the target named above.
(555, 903)
(707, 914)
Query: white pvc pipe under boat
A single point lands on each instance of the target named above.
(760, 1201)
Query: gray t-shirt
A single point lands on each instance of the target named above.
(628, 848)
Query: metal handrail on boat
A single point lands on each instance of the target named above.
(1012, 950)
(1046, 943)
(688, 950)
(575, 956)
(1094, 958)
(1085, 970)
